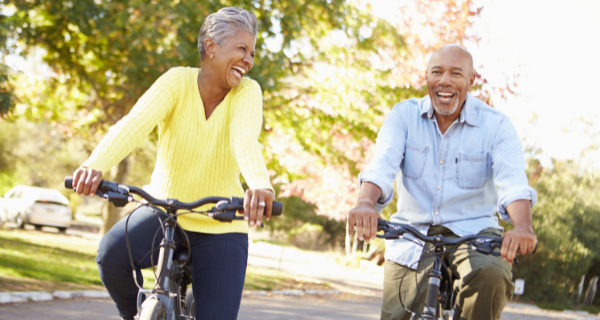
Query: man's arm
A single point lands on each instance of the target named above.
(364, 214)
(377, 189)
(516, 197)
(521, 238)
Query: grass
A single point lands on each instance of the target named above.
(40, 261)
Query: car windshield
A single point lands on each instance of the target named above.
(50, 196)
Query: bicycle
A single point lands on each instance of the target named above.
(168, 300)
(440, 299)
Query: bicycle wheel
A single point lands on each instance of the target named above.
(153, 310)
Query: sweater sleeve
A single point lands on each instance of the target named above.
(245, 127)
(131, 130)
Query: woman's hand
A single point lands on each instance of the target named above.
(256, 204)
(86, 180)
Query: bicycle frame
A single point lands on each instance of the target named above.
(435, 300)
(170, 273)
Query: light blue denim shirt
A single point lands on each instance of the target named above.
(458, 180)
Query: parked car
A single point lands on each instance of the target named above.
(36, 206)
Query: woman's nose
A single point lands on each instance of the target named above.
(249, 61)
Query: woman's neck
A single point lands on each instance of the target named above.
(211, 92)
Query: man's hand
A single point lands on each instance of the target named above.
(365, 217)
(521, 239)
(257, 203)
(86, 180)
(518, 240)
(364, 214)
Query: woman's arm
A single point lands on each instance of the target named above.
(245, 128)
(129, 132)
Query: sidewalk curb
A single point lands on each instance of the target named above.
(290, 292)
(17, 297)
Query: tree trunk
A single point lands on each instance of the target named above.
(354, 243)
(111, 214)
(348, 244)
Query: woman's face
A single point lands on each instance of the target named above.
(235, 58)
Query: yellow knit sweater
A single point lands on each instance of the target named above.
(196, 157)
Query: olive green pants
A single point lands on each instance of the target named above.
(483, 282)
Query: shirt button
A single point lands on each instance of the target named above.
(437, 212)
(439, 187)
(441, 162)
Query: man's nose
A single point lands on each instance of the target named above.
(446, 79)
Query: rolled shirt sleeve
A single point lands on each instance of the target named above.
(389, 153)
(508, 165)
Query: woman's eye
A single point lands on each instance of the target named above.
(243, 49)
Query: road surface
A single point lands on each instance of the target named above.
(253, 308)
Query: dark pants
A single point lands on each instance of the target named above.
(218, 265)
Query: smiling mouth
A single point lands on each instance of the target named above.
(239, 71)
(445, 96)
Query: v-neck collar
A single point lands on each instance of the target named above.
(202, 110)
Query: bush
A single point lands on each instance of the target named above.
(299, 222)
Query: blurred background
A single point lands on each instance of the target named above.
(330, 71)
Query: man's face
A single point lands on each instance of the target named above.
(449, 79)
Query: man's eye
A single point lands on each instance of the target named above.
(243, 48)
(456, 74)
(435, 72)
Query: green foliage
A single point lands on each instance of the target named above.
(7, 97)
(566, 220)
(299, 215)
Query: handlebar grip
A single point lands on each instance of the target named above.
(277, 208)
(69, 182)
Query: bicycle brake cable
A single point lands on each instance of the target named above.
(133, 268)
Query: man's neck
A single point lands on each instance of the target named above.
(445, 121)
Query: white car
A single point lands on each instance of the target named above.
(36, 206)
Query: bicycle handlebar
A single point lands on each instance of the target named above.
(120, 195)
(484, 244)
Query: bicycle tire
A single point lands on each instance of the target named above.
(153, 310)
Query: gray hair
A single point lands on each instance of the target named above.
(225, 23)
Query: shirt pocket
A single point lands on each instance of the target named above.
(472, 170)
(415, 158)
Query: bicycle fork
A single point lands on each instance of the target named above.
(162, 287)
(432, 305)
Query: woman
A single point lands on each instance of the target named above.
(209, 121)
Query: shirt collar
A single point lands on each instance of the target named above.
(468, 114)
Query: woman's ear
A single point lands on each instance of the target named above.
(210, 47)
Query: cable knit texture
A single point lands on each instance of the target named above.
(196, 157)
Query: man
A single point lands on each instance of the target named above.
(461, 162)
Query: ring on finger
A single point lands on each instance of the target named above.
(262, 204)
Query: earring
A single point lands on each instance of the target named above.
(211, 56)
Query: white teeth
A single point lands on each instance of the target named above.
(241, 70)
(443, 94)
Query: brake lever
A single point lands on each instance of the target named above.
(119, 199)
(225, 211)
(488, 248)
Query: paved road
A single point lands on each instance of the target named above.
(253, 308)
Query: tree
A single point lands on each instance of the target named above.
(566, 220)
(114, 50)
